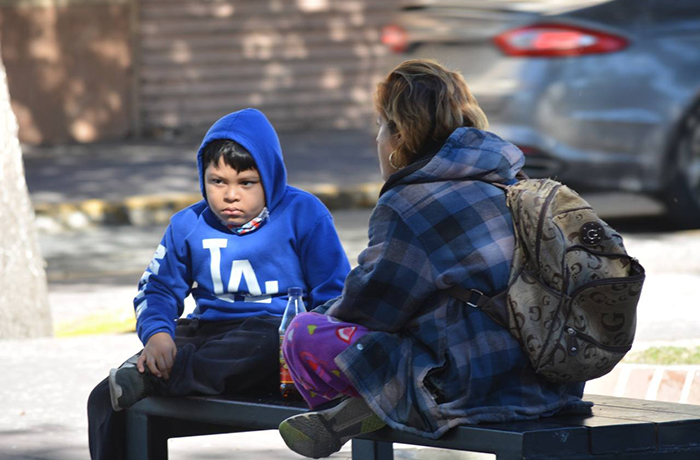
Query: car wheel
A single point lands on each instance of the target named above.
(682, 195)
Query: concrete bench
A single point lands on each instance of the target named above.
(619, 428)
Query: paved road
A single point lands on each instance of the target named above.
(45, 382)
(60, 174)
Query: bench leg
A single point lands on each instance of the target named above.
(363, 449)
(145, 440)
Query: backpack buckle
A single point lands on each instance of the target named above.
(474, 298)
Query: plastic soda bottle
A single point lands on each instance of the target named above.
(295, 306)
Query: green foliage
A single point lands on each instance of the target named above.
(665, 355)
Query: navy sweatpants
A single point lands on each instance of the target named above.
(232, 357)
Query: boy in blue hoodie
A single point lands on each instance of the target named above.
(236, 252)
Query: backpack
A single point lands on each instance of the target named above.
(572, 291)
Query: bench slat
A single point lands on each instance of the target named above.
(653, 407)
(619, 428)
(250, 414)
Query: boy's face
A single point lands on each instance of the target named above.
(234, 197)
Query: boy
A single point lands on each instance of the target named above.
(237, 252)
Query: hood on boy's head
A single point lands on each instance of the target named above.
(251, 129)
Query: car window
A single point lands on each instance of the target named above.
(640, 15)
(672, 10)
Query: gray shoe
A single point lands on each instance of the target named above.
(127, 385)
(321, 433)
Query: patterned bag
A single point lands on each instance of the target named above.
(573, 291)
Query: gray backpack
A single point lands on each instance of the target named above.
(572, 293)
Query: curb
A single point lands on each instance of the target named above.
(145, 210)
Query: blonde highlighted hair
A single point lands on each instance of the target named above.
(422, 101)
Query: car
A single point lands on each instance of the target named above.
(601, 95)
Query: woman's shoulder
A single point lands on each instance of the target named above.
(466, 203)
(450, 194)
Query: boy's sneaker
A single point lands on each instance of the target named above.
(320, 433)
(127, 385)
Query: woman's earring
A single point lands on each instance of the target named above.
(391, 160)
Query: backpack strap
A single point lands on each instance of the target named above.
(472, 297)
(503, 187)
(496, 307)
(520, 175)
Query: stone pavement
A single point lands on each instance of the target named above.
(45, 392)
(679, 384)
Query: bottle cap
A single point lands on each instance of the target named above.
(294, 291)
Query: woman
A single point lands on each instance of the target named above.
(405, 352)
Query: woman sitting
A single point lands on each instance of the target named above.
(396, 344)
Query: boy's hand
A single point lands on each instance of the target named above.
(159, 355)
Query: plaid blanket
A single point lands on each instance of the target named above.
(432, 362)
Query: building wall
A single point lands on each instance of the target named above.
(68, 66)
(305, 63)
(95, 70)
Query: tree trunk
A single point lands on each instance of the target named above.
(24, 306)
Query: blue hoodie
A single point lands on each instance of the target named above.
(235, 276)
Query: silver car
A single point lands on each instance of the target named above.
(602, 95)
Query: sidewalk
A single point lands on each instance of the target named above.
(141, 184)
(144, 182)
(45, 396)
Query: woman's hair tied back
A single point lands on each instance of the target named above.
(423, 101)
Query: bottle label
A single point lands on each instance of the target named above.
(285, 376)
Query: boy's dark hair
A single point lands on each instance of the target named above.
(235, 155)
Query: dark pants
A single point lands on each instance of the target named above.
(232, 357)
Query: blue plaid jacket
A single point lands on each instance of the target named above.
(432, 362)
